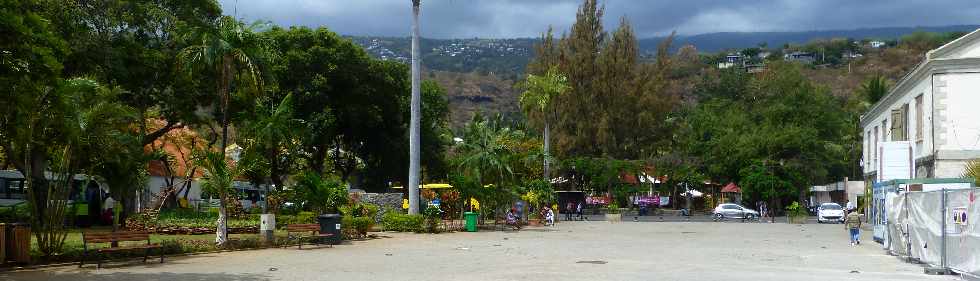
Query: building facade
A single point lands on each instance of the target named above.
(936, 108)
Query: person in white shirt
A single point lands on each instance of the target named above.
(549, 217)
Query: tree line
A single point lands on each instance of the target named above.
(92, 87)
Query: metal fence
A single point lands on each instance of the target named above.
(939, 228)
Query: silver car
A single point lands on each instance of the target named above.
(734, 211)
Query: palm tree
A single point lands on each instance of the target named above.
(228, 47)
(416, 120)
(219, 174)
(875, 88)
(538, 97)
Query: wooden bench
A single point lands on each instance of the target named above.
(298, 231)
(113, 238)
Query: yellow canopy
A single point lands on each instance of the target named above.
(430, 186)
(437, 185)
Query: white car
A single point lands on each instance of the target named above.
(830, 213)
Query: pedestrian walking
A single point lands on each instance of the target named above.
(853, 225)
(578, 210)
(569, 209)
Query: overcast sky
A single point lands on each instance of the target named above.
(528, 18)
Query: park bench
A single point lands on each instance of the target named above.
(300, 231)
(113, 238)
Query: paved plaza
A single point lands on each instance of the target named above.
(572, 251)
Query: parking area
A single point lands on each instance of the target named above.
(571, 251)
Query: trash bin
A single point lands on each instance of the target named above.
(18, 244)
(471, 218)
(330, 223)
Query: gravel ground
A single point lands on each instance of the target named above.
(571, 251)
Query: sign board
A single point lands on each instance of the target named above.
(895, 161)
(648, 200)
(596, 200)
(664, 200)
(960, 216)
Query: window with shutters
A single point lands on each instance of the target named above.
(900, 124)
(919, 112)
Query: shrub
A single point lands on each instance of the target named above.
(16, 213)
(323, 195)
(393, 221)
(298, 218)
(433, 215)
(613, 208)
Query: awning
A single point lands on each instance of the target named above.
(429, 186)
(731, 188)
(437, 185)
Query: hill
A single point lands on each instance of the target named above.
(716, 42)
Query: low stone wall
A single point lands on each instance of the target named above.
(385, 201)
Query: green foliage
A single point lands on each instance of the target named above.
(354, 108)
(796, 210)
(361, 225)
(874, 89)
(320, 195)
(624, 97)
(776, 134)
(539, 193)
(433, 217)
(394, 221)
(613, 208)
(15, 213)
(299, 218)
(359, 210)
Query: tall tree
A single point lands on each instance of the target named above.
(231, 49)
(538, 100)
(414, 170)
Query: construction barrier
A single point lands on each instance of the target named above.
(938, 228)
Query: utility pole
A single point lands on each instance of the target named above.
(414, 133)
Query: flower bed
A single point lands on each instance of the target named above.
(189, 222)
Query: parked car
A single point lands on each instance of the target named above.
(734, 211)
(830, 213)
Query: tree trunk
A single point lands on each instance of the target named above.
(547, 151)
(221, 233)
(414, 134)
(225, 85)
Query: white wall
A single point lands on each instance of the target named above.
(157, 183)
(922, 148)
(961, 115)
(969, 50)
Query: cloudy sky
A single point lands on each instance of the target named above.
(528, 18)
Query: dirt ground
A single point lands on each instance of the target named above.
(570, 251)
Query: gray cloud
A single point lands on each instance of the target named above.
(528, 18)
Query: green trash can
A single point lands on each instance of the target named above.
(471, 218)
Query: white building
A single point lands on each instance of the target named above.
(936, 107)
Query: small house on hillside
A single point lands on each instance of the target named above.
(800, 57)
(934, 108)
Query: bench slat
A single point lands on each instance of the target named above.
(151, 246)
(302, 227)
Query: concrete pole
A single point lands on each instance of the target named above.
(414, 133)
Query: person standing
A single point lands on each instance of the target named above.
(569, 209)
(578, 210)
(108, 206)
(853, 224)
(549, 217)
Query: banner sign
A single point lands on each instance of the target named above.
(648, 200)
(597, 200)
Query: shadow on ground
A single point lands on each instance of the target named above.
(120, 276)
